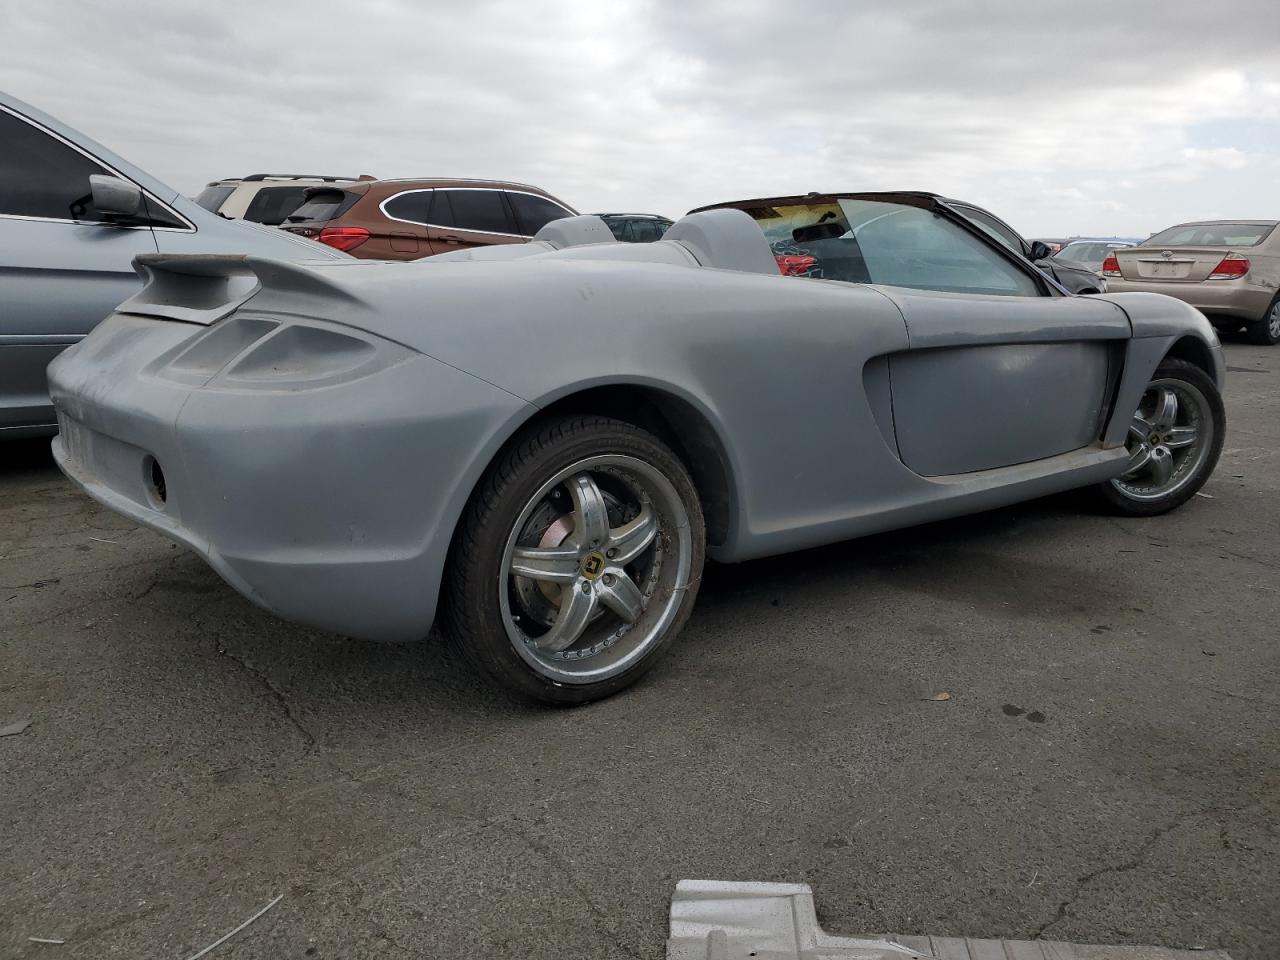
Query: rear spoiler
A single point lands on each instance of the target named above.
(204, 288)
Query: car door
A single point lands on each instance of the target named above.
(1001, 369)
(62, 268)
(463, 217)
(407, 235)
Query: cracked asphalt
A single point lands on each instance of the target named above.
(1107, 768)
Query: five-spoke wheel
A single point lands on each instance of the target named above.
(1174, 441)
(579, 561)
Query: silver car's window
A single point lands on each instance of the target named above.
(1211, 235)
(870, 241)
(1087, 252)
(42, 177)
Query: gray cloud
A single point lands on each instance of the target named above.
(1088, 117)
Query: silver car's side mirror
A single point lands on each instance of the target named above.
(116, 199)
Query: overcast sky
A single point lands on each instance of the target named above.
(1065, 118)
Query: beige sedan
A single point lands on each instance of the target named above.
(1227, 269)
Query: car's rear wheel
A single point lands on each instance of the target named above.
(577, 562)
(1175, 439)
(1267, 330)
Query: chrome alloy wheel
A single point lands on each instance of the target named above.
(595, 568)
(1170, 436)
(1273, 321)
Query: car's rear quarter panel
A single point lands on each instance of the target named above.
(324, 506)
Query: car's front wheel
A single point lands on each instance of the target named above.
(577, 562)
(1175, 439)
(1267, 330)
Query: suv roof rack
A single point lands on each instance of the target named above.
(254, 177)
(640, 216)
(500, 183)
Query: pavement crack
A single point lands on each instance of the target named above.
(1083, 881)
(273, 690)
(600, 919)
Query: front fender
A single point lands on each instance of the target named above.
(1160, 325)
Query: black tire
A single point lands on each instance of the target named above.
(1266, 331)
(476, 615)
(1115, 493)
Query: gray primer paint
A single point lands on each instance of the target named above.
(329, 493)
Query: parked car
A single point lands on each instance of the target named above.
(408, 219)
(73, 215)
(547, 446)
(263, 197)
(1091, 252)
(1055, 245)
(1227, 269)
(1041, 252)
(636, 227)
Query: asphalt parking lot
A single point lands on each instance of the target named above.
(1107, 768)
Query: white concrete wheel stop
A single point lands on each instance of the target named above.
(721, 920)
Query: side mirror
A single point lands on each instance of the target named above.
(1040, 250)
(116, 199)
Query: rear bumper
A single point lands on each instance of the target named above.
(1238, 300)
(331, 507)
(85, 458)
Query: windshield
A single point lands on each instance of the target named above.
(320, 206)
(1211, 235)
(875, 241)
(271, 205)
(211, 197)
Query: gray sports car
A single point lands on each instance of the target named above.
(541, 443)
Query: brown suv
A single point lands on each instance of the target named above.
(408, 219)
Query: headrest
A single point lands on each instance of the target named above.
(575, 231)
(728, 239)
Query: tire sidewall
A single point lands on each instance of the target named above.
(1260, 330)
(476, 620)
(1175, 369)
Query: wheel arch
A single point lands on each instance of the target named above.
(1194, 350)
(678, 419)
